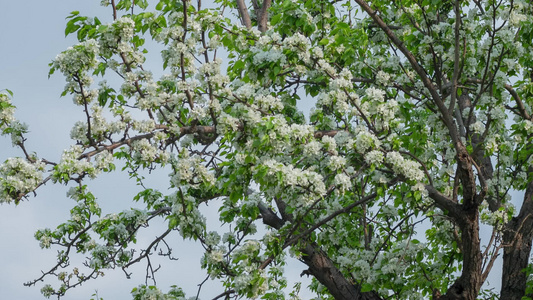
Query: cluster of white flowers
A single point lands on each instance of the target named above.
(116, 37)
(477, 127)
(298, 43)
(527, 125)
(7, 111)
(365, 140)
(19, 177)
(70, 164)
(151, 293)
(45, 241)
(329, 144)
(374, 157)
(79, 132)
(498, 218)
(326, 98)
(86, 96)
(100, 256)
(375, 94)
(336, 162)
(298, 132)
(342, 181)
(212, 238)
(99, 125)
(227, 123)
(173, 56)
(343, 102)
(190, 220)
(382, 112)
(17, 130)
(189, 169)
(213, 257)
(244, 90)
(152, 99)
(408, 168)
(103, 160)
(116, 232)
(136, 217)
(171, 32)
(296, 177)
(383, 78)
(516, 17)
(247, 251)
(244, 284)
(389, 266)
(129, 89)
(343, 81)
(77, 59)
(210, 72)
(268, 56)
(386, 114)
(246, 257)
(327, 68)
(145, 151)
(269, 102)
(143, 126)
(312, 149)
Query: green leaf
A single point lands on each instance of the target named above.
(366, 287)
(275, 19)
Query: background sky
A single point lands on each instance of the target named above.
(31, 35)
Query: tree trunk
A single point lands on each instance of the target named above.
(517, 238)
(468, 285)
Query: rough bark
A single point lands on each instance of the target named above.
(517, 238)
(468, 285)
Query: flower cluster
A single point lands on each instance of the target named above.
(145, 151)
(78, 59)
(7, 111)
(71, 164)
(295, 178)
(18, 177)
(408, 168)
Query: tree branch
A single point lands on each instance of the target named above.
(262, 19)
(444, 202)
(243, 13)
(518, 101)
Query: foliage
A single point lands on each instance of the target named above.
(372, 139)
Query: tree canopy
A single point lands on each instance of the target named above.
(374, 141)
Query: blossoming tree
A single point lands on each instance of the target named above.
(373, 139)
